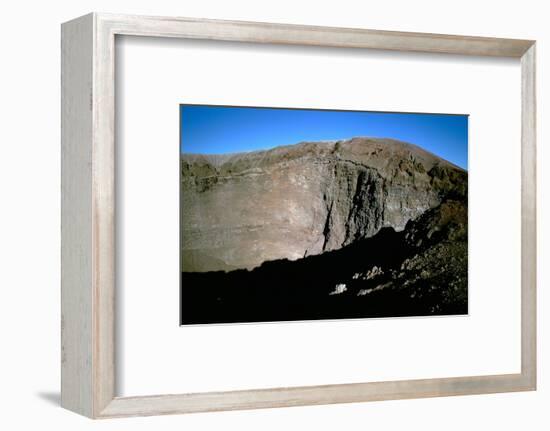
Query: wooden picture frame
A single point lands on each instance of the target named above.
(88, 215)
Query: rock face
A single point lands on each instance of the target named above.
(290, 202)
(420, 271)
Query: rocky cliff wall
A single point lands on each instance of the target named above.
(240, 210)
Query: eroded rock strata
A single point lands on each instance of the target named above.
(290, 202)
(420, 271)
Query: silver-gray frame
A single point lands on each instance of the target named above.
(88, 215)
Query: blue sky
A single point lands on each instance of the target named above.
(223, 129)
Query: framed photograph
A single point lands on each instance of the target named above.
(265, 215)
(330, 229)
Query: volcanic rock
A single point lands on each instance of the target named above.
(290, 202)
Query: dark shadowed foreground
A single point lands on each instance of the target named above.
(422, 270)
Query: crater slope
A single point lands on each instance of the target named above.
(290, 202)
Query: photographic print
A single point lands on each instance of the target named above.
(306, 214)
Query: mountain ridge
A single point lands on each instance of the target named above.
(219, 160)
(239, 210)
